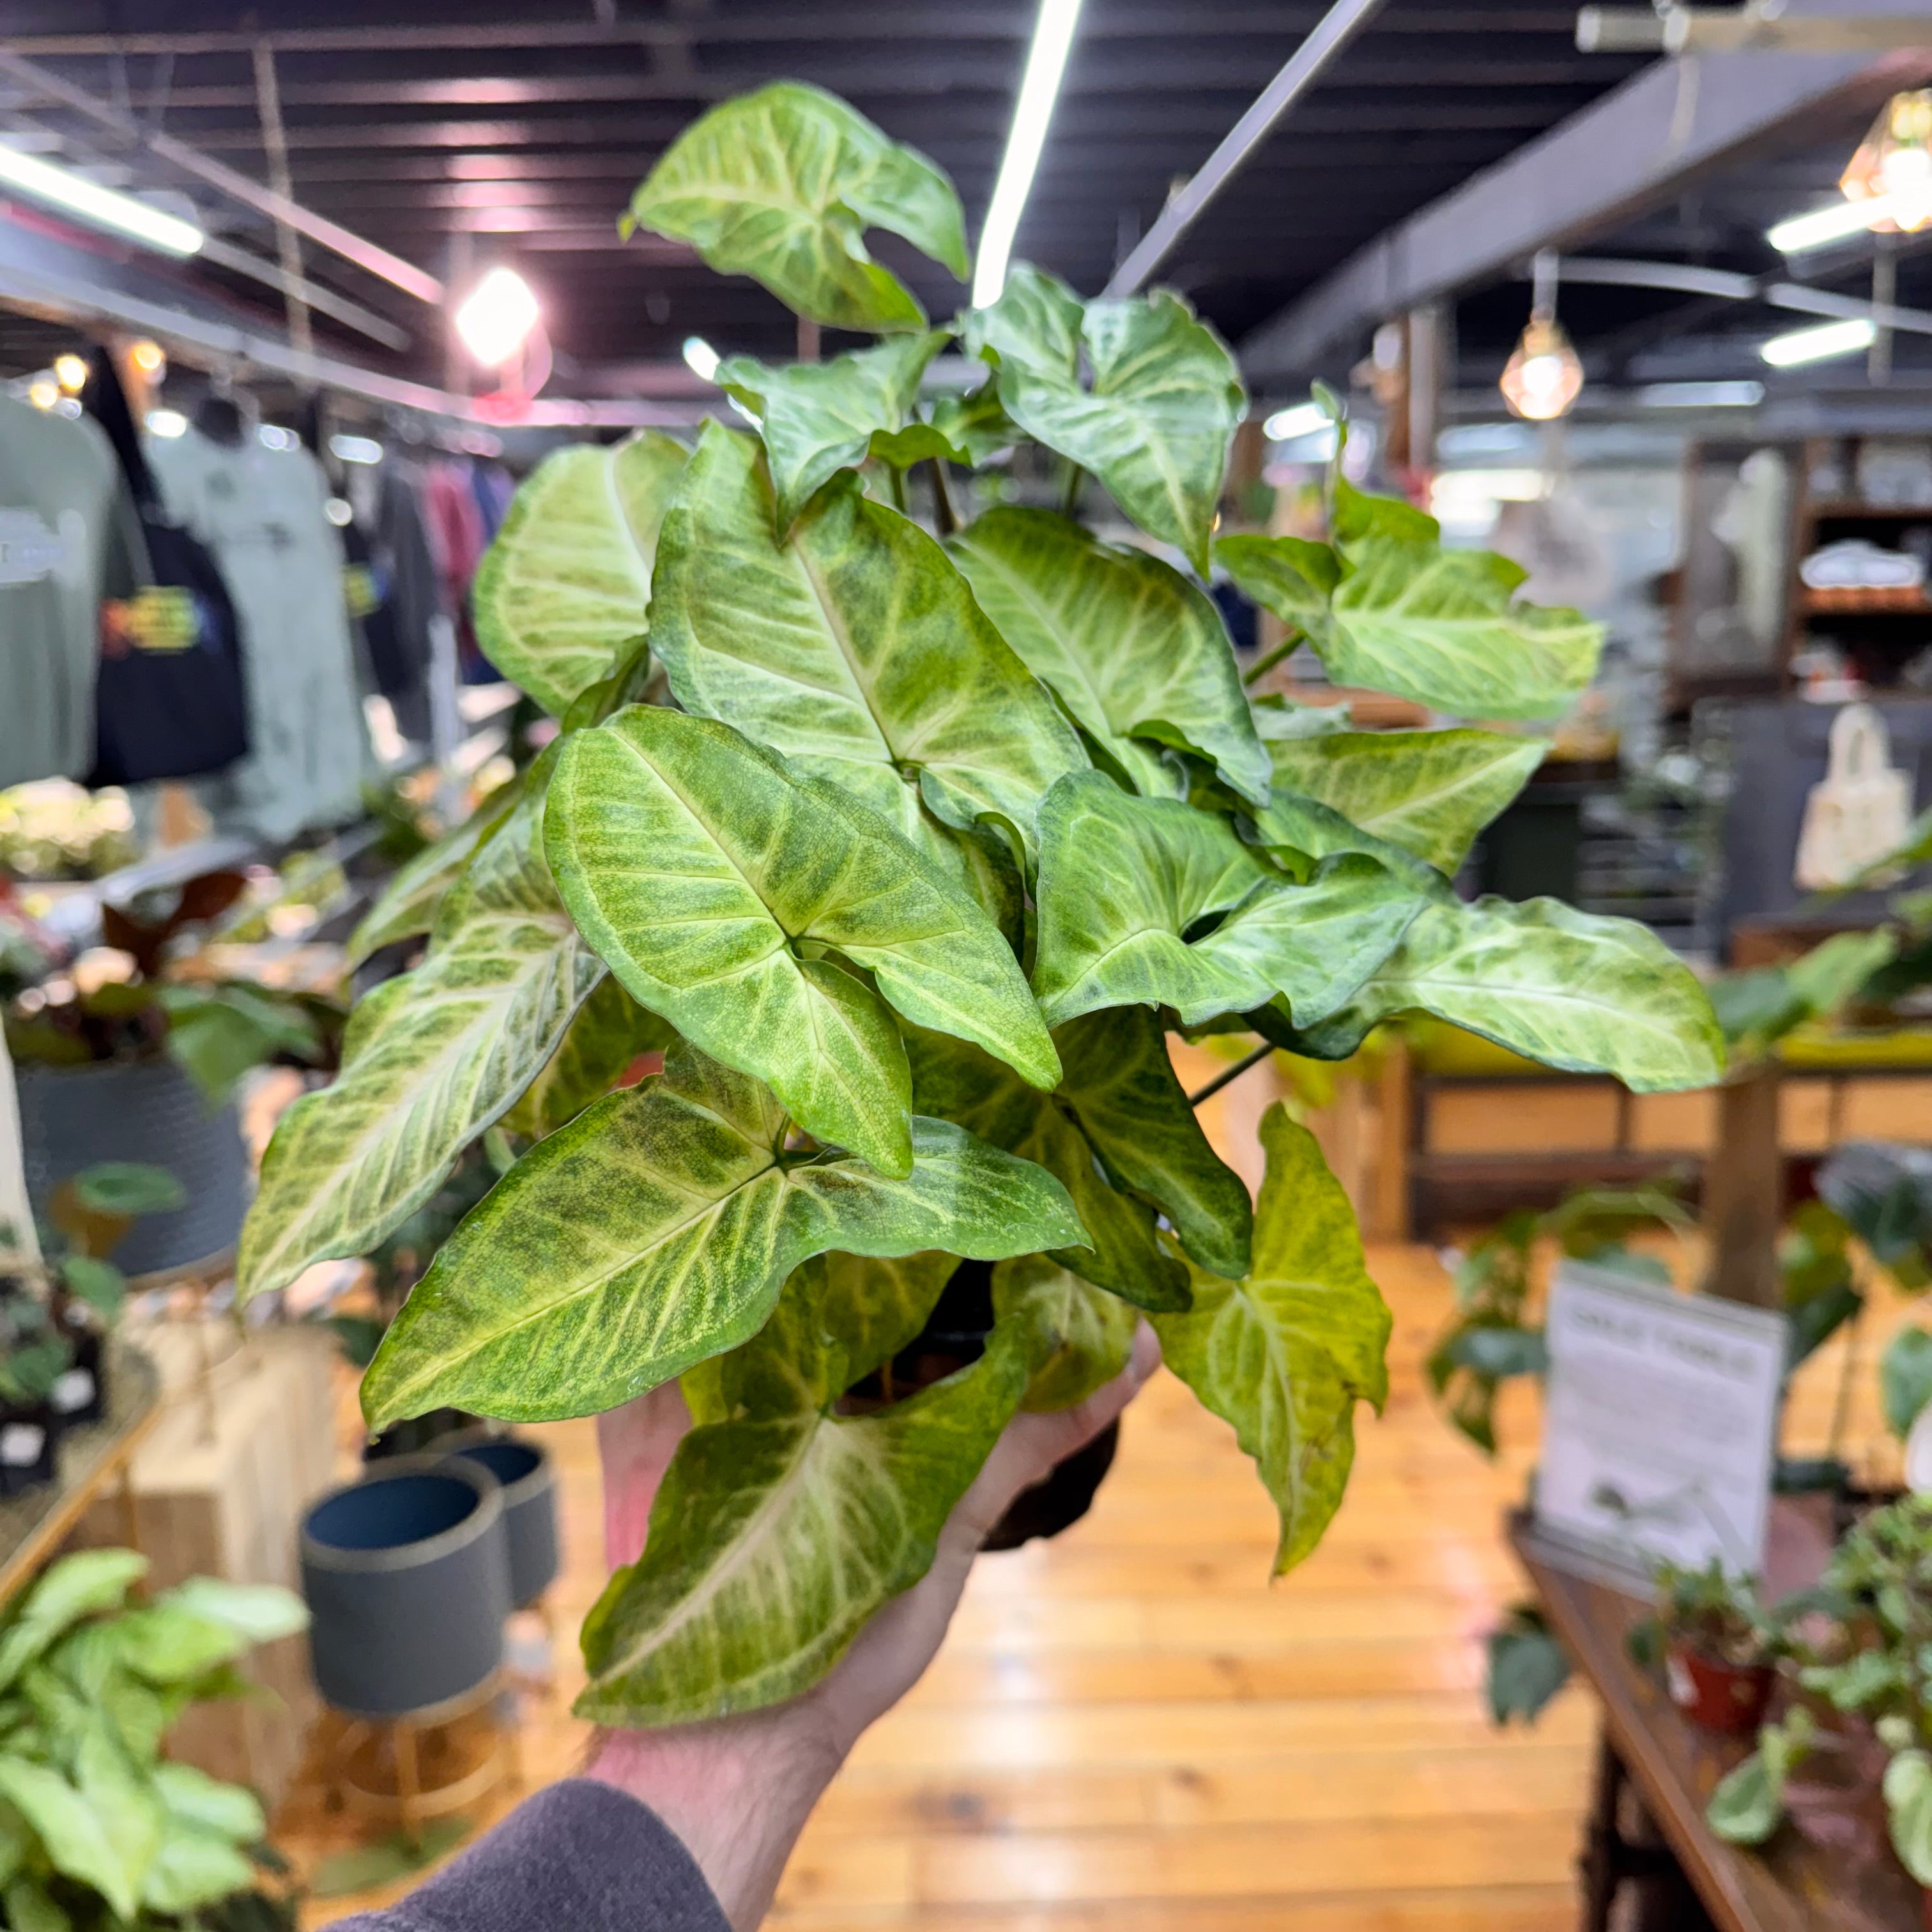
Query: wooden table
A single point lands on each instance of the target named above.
(1791, 1886)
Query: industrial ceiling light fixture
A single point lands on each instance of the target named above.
(71, 371)
(100, 207)
(1823, 225)
(1297, 419)
(1889, 180)
(1544, 377)
(1039, 88)
(1822, 344)
(700, 358)
(496, 318)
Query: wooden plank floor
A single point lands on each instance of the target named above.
(1130, 1730)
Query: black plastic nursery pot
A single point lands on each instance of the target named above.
(527, 1479)
(73, 1117)
(29, 1446)
(80, 1397)
(407, 1574)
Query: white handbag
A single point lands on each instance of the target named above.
(1862, 808)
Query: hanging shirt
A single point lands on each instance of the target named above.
(68, 538)
(262, 512)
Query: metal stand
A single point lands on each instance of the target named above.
(423, 1764)
(1612, 1859)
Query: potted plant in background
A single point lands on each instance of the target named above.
(1718, 1644)
(950, 822)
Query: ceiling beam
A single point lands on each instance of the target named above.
(1635, 149)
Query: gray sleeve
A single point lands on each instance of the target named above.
(580, 1855)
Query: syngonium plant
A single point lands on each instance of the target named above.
(910, 850)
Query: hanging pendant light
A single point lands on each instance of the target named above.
(1892, 169)
(1544, 377)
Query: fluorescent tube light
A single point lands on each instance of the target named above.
(166, 422)
(1301, 419)
(272, 435)
(1039, 88)
(1699, 395)
(701, 357)
(1820, 344)
(356, 449)
(1842, 219)
(103, 206)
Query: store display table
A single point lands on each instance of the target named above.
(1791, 1886)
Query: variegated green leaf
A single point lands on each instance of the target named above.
(1276, 718)
(656, 1229)
(976, 425)
(1567, 988)
(1429, 792)
(407, 904)
(1120, 1250)
(855, 648)
(1296, 831)
(1137, 653)
(1156, 423)
(1442, 627)
(1086, 1335)
(781, 184)
(562, 595)
(431, 1058)
(1124, 881)
(1122, 1088)
(1285, 1353)
(76, 1843)
(816, 418)
(610, 1031)
(776, 1536)
(713, 879)
(1290, 576)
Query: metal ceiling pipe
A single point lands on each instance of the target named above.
(1332, 33)
(1762, 29)
(1685, 278)
(331, 235)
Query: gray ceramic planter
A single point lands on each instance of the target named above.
(145, 1110)
(407, 1576)
(528, 1480)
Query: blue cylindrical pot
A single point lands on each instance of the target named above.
(407, 1576)
(527, 1478)
(145, 1110)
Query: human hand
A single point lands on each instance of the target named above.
(738, 1790)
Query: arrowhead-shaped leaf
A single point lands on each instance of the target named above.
(775, 1537)
(431, 1059)
(1296, 832)
(610, 1031)
(1284, 1354)
(1137, 653)
(1155, 425)
(407, 904)
(818, 417)
(1122, 1090)
(1123, 881)
(73, 1839)
(564, 589)
(781, 184)
(1429, 792)
(711, 878)
(854, 648)
(1085, 1334)
(656, 1229)
(1290, 576)
(1120, 1250)
(1276, 718)
(1563, 987)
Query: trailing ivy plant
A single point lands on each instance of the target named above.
(909, 847)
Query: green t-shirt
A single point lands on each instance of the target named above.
(69, 537)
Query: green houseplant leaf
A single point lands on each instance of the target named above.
(77, 1587)
(562, 595)
(610, 1031)
(1156, 423)
(1290, 576)
(1085, 1334)
(816, 418)
(1908, 1804)
(1124, 880)
(775, 1536)
(687, 1215)
(1137, 654)
(431, 1058)
(781, 185)
(1429, 792)
(75, 1840)
(1285, 1353)
(1566, 988)
(855, 648)
(700, 866)
(1905, 1378)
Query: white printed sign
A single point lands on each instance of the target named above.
(1660, 1424)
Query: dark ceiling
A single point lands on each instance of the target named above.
(457, 135)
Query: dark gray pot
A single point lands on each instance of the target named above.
(527, 1478)
(407, 1576)
(147, 1110)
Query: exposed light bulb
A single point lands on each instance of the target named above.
(71, 372)
(1890, 177)
(166, 423)
(1545, 375)
(148, 356)
(701, 357)
(44, 391)
(496, 318)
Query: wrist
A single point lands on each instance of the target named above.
(735, 1791)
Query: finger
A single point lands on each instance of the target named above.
(1030, 1445)
(635, 1444)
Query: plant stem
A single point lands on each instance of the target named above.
(1263, 666)
(1230, 1074)
(897, 486)
(943, 512)
(1069, 494)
